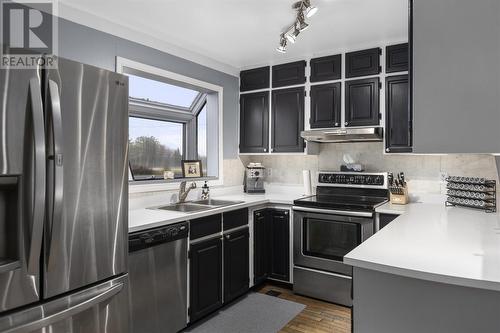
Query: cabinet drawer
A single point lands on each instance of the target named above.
(205, 226)
(235, 218)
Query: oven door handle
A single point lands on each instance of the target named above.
(332, 211)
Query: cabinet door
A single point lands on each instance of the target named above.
(261, 246)
(326, 68)
(398, 115)
(252, 79)
(362, 102)
(287, 120)
(206, 278)
(254, 122)
(236, 262)
(396, 58)
(362, 63)
(289, 74)
(280, 240)
(325, 105)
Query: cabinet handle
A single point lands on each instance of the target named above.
(265, 150)
(336, 124)
(346, 123)
(272, 149)
(228, 236)
(387, 150)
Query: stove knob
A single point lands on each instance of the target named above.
(368, 180)
(331, 179)
(323, 178)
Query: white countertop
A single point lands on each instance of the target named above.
(432, 242)
(144, 218)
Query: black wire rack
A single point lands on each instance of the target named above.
(472, 192)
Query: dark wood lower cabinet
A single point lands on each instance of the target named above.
(280, 252)
(206, 278)
(236, 262)
(385, 219)
(261, 246)
(271, 245)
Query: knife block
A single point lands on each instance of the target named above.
(400, 199)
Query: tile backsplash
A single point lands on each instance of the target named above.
(422, 171)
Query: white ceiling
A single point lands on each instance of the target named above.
(236, 34)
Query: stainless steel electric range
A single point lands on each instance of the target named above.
(330, 224)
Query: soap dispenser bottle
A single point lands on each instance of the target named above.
(205, 192)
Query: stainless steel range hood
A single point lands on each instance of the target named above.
(370, 134)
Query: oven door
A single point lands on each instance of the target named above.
(323, 237)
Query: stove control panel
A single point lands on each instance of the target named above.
(353, 179)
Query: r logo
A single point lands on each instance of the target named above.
(27, 27)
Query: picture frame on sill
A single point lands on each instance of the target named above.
(191, 169)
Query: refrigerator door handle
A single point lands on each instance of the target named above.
(36, 112)
(56, 155)
(67, 313)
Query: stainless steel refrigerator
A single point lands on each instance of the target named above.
(63, 200)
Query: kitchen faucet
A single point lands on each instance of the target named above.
(183, 193)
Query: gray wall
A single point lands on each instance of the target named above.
(90, 46)
(456, 76)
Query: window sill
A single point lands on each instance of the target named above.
(141, 186)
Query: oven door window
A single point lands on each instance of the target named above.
(329, 239)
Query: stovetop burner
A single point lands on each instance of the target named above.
(348, 191)
(341, 202)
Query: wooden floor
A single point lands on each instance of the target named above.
(317, 317)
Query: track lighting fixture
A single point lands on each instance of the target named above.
(304, 9)
(282, 47)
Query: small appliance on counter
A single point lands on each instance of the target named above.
(473, 192)
(254, 178)
(398, 188)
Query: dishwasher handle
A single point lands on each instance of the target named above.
(154, 237)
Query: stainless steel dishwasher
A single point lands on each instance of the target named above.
(158, 279)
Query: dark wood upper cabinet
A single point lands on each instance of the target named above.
(398, 131)
(254, 122)
(396, 58)
(206, 278)
(289, 74)
(325, 105)
(287, 120)
(253, 79)
(326, 68)
(362, 63)
(362, 98)
(236, 263)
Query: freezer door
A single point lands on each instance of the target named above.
(22, 186)
(102, 308)
(86, 228)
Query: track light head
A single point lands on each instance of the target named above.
(292, 34)
(301, 22)
(282, 47)
(309, 10)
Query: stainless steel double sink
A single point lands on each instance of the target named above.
(197, 206)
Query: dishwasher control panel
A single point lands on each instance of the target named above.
(148, 238)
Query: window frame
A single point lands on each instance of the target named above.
(164, 112)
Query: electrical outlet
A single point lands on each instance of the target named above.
(442, 176)
(269, 172)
